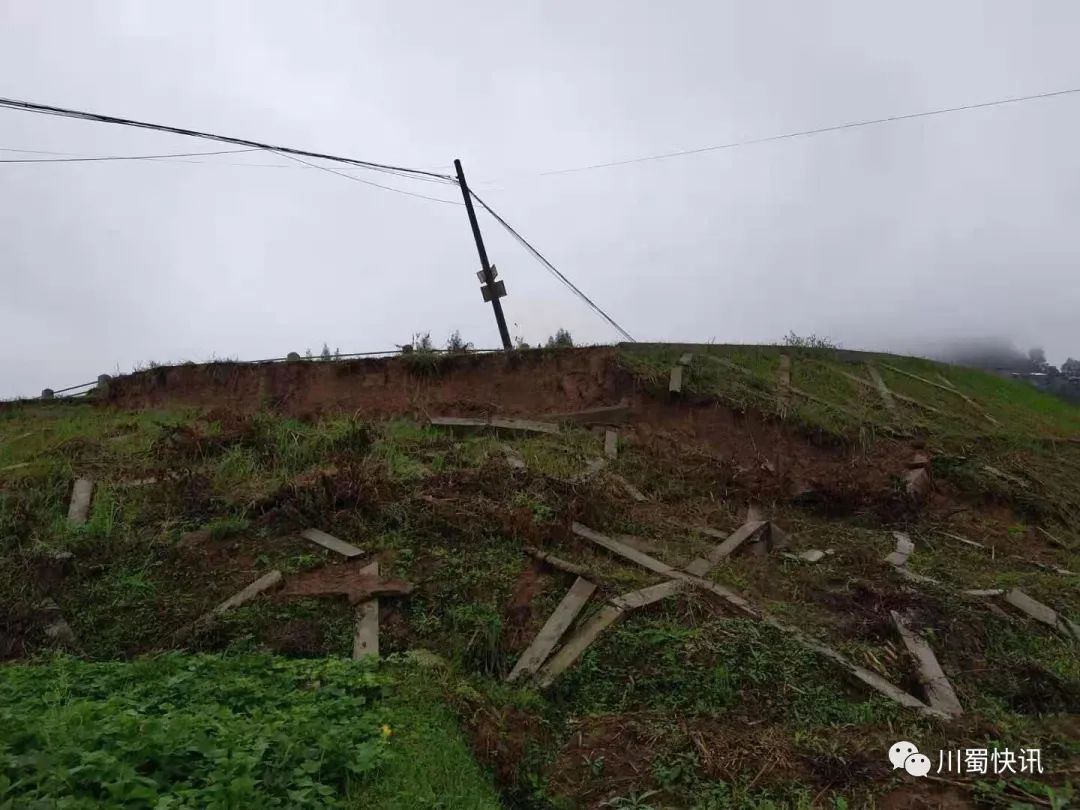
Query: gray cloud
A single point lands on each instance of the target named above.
(888, 236)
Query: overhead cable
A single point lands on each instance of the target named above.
(122, 157)
(45, 109)
(808, 132)
(365, 182)
(551, 268)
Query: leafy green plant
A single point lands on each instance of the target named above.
(631, 801)
(184, 731)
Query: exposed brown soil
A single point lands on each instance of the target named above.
(19, 633)
(519, 613)
(301, 638)
(344, 579)
(531, 382)
(606, 755)
(926, 795)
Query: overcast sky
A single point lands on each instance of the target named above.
(886, 236)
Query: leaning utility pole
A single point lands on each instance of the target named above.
(491, 290)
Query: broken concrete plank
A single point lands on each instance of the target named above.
(558, 562)
(640, 543)
(18, 466)
(719, 535)
(135, 482)
(366, 633)
(56, 627)
(783, 382)
(871, 679)
(262, 584)
(904, 547)
(513, 458)
(985, 592)
(917, 482)
(524, 425)
(646, 596)
(925, 381)
(964, 540)
(561, 618)
(611, 444)
(631, 490)
(655, 565)
(470, 423)
(329, 541)
(702, 566)
(685, 359)
(79, 508)
(592, 468)
(675, 383)
(1057, 541)
(572, 650)
(944, 381)
(907, 573)
(458, 422)
(622, 549)
(604, 415)
(939, 692)
(1004, 476)
(827, 404)
(778, 538)
(882, 389)
(918, 461)
(1036, 610)
(894, 394)
(946, 388)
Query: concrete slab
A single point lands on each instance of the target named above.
(904, 548)
(261, 585)
(631, 490)
(676, 381)
(366, 633)
(604, 415)
(611, 443)
(79, 508)
(917, 482)
(939, 691)
(1036, 610)
(513, 458)
(329, 541)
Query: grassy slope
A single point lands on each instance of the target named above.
(657, 704)
(1021, 443)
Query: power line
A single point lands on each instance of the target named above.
(44, 109)
(164, 159)
(366, 182)
(540, 257)
(123, 157)
(808, 132)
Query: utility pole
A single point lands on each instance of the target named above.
(491, 289)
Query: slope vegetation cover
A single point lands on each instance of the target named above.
(687, 702)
